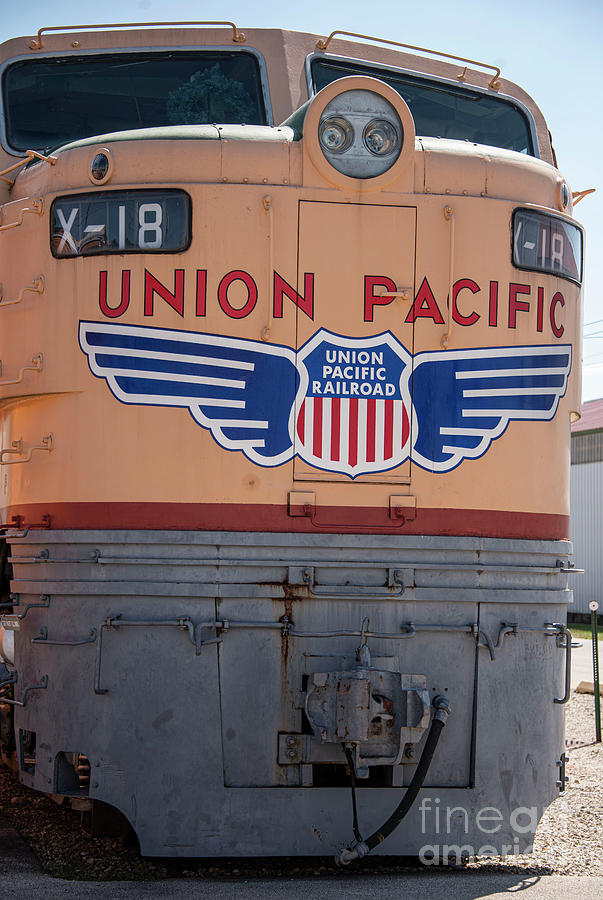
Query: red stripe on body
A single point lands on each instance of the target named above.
(388, 441)
(277, 518)
(335, 428)
(353, 434)
(317, 437)
(371, 416)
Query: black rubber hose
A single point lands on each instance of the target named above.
(413, 788)
(350, 758)
(442, 708)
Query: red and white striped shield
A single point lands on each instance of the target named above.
(352, 410)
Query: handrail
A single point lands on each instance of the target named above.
(336, 591)
(564, 632)
(45, 444)
(37, 207)
(13, 620)
(577, 196)
(36, 43)
(29, 155)
(16, 530)
(37, 364)
(17, 447)
(97, 558)
(32, 687)
(494, 83)
(267, 204)
(43, 638)
(36, 287)
(449, 216)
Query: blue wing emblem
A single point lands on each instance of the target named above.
(465, 399)
(242, 391)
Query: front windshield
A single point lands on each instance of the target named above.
(443, 110)
(57, 99)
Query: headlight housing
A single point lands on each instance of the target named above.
(360, 134)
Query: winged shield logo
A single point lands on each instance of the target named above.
(353, 406)
(342, 404)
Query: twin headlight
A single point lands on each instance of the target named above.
(360, 134)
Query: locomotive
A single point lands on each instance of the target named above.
(290, 348)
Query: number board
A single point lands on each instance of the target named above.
(544, 243)
(152, 221)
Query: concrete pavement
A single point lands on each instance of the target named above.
(471, 885)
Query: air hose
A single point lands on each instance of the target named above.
(363, 848)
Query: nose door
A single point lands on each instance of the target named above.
(353, 411)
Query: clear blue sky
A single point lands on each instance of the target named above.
(553, 49)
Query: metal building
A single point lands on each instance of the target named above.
(586, 507)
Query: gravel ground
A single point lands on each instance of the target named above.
(569, 840)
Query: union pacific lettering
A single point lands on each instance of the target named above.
(369, 379)
(504, 305)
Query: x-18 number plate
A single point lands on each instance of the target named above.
(153, 221)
